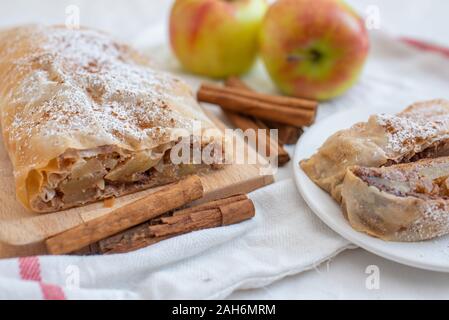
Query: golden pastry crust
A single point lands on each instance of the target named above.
(80, 90)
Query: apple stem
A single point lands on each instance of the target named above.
(313, 55)
(295, 58)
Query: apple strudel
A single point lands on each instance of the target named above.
(420, 131)
(85, 118)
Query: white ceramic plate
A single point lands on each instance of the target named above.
(429, 255)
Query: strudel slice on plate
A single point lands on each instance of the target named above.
(420, 131)
(85, 118)
(404, 202)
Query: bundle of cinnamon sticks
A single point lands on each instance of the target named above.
(247, 109)
(152, 219)
(222, 212)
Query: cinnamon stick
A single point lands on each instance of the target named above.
(245, 122)
(235, 82)
(287, 134)
(295, 103)
(272, 148)
(164, 200)
(292, 111)
(214, 214)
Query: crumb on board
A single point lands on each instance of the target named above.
(109, 202)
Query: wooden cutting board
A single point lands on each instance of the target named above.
(22, 233)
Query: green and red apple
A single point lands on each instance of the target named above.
(313, 48)
(216, 38)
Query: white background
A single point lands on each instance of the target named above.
(144, 22)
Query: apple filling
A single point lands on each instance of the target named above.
(427, 179)
(79, 177)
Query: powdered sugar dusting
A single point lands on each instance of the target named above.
(412, 132)
(434, 221)
(82, 83)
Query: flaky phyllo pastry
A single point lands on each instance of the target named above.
(85, 118)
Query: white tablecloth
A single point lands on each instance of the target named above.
(343, 277)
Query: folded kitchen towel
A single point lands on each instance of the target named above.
(285, 238)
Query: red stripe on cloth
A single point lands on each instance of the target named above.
(52, 292)
(30, 270)
(426, 46)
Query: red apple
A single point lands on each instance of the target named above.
(313, 48)
(216, 38)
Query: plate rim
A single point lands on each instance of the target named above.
(348, 233)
